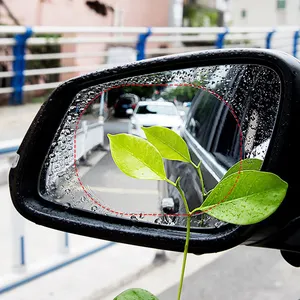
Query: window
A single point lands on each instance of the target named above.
(251, 90)
(212, 123)
(243, 13)
(201, 123)
(281, 4)
(225, 146)
(214, 127)
(169, 110)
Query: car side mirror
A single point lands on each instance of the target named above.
(253, 93)
(129, 111)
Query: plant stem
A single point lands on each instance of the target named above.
(187, 238)
(186, 247)
(182, 196)
(200, 177)
(195, 210)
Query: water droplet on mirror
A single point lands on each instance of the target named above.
(94, 208)
(218, 224)
(67, 205)
(67, 177)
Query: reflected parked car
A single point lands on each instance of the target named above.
(187, 104)
(125, 102)
(213, 136)
(151, 113)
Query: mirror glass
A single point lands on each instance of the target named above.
(224, 113)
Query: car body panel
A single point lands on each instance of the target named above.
(213, 137)
(125, 101)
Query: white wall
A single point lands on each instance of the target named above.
(264, 13)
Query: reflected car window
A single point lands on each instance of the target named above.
(200, 125)
(157, 109)
(226, 140)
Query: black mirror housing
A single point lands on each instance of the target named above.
(279, 231)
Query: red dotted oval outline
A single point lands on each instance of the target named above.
(166, 85)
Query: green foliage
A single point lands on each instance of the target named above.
(141, 91)
(246, 164)
(181, 93)
(136, 157)
(135, 294)
(242, 197)
(170, 145)
(245, 198)
(195, 15)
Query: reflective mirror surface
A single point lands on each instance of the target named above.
(224, 113)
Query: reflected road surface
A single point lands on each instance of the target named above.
(117, 190)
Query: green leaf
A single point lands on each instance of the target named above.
(135, 294)
(136, 157)
(245, 198)
(207, 194)
(170, 145)
(247, 164)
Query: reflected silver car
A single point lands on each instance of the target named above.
(150, 113)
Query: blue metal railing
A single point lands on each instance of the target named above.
(18, 80)
(295, 43)
(141, 44)
(269, 38)
(22, 36)
(7, 150)
(19, 65)
(221, 38)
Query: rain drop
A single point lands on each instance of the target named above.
(218, 224)
(68, 205)
(67, 191)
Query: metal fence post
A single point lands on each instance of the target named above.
(18, 242)
(220, 39)
(63, 242)
(295, 43)
(269, 38)
(141, 43)
(19, 65)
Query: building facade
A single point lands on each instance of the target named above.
(265, 13)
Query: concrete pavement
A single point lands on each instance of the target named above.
(120, 192)
(242, 273)
(15, 120)
(45, 248)
(245, 273)
(14, 123)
